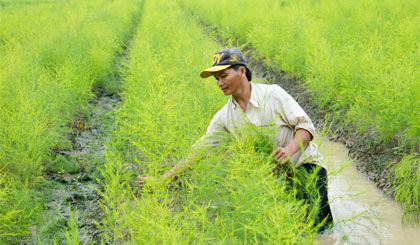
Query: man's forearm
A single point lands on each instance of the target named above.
(174, 172)
(180, 168)
(301, 139)
(284, 154)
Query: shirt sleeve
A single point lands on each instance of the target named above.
(216, 131)
(291, 112)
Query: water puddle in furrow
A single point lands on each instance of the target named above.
(362, 213)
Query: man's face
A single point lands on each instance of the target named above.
(228, 80)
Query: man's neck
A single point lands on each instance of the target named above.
(243, 95)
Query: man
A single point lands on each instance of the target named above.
(264, 106)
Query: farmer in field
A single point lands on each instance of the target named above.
(263, 106)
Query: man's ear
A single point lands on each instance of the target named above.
(242, 69)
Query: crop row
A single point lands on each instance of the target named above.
(231, 195)
(52, 53)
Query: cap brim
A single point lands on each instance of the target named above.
(210, 71)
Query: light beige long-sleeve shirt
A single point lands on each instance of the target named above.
(269, 106)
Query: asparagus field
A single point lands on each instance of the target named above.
(52, 53)
(359, 59)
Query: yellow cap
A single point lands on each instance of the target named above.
(210, 71)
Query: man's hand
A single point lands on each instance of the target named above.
(171, 175)
(282, 155)
(153, 183)
(149, 181)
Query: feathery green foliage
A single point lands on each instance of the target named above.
(231, 195)
(72, 234)
(52, 54)
(407, 187)
(359, 57)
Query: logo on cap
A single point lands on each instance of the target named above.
(234, 58)
(216, 58)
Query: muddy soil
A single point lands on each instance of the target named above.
(76, 184)
(74, 176)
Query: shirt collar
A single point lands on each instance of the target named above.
(254, 95)
(253, 100)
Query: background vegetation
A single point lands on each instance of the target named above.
(51, 56)
(360, 58)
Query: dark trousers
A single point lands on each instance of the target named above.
(321, 185)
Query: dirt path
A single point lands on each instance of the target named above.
(75, 184)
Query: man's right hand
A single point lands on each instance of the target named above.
(150, 181)
(141, 181)
(171, 175)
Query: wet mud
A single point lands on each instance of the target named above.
(74, 177)
(75, 185)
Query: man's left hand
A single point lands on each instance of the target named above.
(282, 155)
